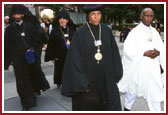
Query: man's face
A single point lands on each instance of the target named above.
(6, 20)
(147, 17)
(17, 17)
(63, 22)
(95, 17)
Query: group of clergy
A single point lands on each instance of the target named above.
(88, 66)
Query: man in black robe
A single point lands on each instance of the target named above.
(59, 43)
(21, 37)
(93, 66)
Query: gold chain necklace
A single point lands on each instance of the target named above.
(67, 37)
(98, 56)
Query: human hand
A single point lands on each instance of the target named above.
(53, 61)
(87, 91)
(155, 54)
(149, 53)
(152, 53)
(10, 68)
(28, 50)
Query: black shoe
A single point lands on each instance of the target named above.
(44, 89)
(38, 93)
(25, 109)
(45, 86)
(58, 85)
(125, 109)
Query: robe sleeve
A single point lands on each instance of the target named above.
(33, 38)
(49, 54)
(118, 69)
(162, 52)
(7, 49)
(44, 36)
(132, 47)
(74, 80)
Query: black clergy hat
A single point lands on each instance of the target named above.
(27, 11)
(92, 7)
(63, 14)
(17, 9)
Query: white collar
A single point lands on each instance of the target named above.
(141, 23)
(146, 28)
(19, 23)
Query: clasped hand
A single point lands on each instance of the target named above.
(152, 53)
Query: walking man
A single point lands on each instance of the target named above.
(142, 56)
(22, 44)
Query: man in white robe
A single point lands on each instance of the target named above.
(142, 56)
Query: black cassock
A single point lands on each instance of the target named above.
(29, 77)
(82, 73)
(56, 49)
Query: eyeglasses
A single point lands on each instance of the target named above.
(149, 16)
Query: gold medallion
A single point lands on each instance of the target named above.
(68, 42)
(98, 56)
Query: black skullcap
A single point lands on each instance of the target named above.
(92, 7)
(63, 14)
(17, 9)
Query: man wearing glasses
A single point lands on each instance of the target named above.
(142, 56)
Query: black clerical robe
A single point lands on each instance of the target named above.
(57, 50)
(82, 73)
(29, 77)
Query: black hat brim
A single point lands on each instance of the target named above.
(92, 7)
